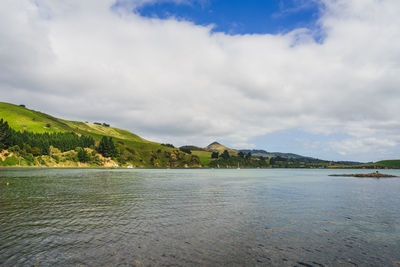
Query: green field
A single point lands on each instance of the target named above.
(204, 156)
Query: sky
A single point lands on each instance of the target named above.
(318, 78)
(237, 16)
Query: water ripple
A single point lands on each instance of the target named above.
(197, 217)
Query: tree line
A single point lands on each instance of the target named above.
(39, 144)
(242, 160)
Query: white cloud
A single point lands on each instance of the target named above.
(174, 81)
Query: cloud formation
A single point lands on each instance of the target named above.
(174, 81)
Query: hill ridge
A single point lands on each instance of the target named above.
(133, 150)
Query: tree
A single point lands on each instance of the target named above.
(103, 146)
(225, 154)
(214, 155)
(5, 134)
(43, 142)
(248, 156)
(106, 147)
(276, 160)
(168, 145)
(186, 150)
(83, 156)
(15, 148)
(241, 154)
(36, 151)
(27, 148)
(112, 149)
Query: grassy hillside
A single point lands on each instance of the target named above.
(133, 150)
(391, 164)
(23, 119)
(204, 156)
(217, 147)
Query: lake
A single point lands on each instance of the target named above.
(95, 217)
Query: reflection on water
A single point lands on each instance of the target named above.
(197, 217)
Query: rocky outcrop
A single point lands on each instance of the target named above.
(366, 175)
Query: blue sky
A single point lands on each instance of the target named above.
(238, 16)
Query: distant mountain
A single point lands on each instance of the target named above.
(217, 147)
(349, 163)
(258, 152)
(263, 153)
(254, 151)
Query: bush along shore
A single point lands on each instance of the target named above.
(27, 149)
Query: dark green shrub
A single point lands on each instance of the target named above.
(83, 156)
(15, 148)
(29, 158)
(11, 161)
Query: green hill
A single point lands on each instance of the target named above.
(217, 147)
(132, 149)
(391, 164)
(23, 119)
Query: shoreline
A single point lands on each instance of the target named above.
(205, 168)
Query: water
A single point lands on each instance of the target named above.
(198, 217)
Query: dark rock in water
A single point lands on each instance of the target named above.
(366, 175)
(304, 264)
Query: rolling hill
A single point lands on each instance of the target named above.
(390, 164)
(217, 147)
(259, 152)
(133, 150)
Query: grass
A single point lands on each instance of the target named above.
(204, 156)
(100, 130)
(23, 119)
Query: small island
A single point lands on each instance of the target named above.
(367, 175)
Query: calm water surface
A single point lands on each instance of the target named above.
(198, 217)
